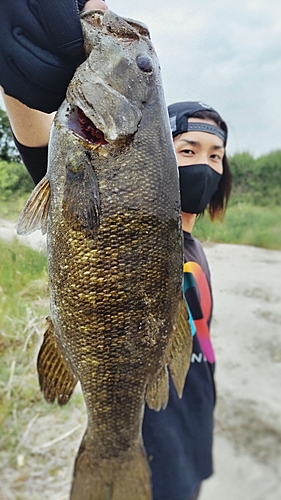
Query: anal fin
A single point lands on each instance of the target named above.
(56, 378)
(180, 348)
(178, 361)
(157, 393)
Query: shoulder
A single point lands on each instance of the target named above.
(193, 247)
(194, 252)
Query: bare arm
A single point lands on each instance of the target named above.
(31, 127)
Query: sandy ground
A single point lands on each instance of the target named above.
(247, 338)
(246, 333)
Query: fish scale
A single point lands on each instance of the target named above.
(106, 311)
(110, 206)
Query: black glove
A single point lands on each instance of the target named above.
(41, 43)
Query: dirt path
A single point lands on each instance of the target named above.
(34, 240)
(247, 339)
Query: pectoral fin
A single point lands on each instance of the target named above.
(81, 202)
(180, 348)
(56, 378)
(35, 213)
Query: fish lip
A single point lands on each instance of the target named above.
(81, 126)
(95, 15)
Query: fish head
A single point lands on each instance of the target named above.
(111, 88)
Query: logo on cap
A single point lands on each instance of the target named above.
(173, 123)
(204, 105)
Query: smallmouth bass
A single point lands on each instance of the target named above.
(110, 206)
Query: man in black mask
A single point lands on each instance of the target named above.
(179, 439)
(200, 137)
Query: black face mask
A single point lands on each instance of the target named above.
(198, 183)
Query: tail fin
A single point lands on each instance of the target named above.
(122, 477)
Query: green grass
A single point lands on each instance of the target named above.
(19, 265)
(23, 284)
(24, 305)
(244, 224)
(30, 464)
(15, 187)
(12, 207)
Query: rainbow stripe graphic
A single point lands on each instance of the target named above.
(201, 324)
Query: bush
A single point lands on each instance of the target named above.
(256, 181)
(14, 180)
(8, 150)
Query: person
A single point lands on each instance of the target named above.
(179, 439)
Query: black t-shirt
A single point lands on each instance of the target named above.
(178, 440)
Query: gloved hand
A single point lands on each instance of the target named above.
(41, 43)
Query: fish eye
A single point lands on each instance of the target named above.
(145, 63)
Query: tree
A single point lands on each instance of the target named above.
(8, 150)
(256, 181)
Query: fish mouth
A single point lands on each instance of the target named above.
(82, 126)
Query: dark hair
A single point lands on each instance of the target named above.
(219, 200)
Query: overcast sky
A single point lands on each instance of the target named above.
(226, 53)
